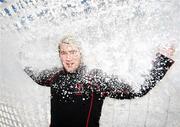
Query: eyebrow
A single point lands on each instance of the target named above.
(62, 51)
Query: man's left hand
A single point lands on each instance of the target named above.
(168, 51)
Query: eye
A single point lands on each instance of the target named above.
(73, 52)
(63, 53)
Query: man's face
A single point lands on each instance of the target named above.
(70, 56)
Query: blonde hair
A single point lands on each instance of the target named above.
(69, 39)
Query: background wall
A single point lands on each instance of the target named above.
(119, 36)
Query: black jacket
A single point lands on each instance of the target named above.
(77, 98)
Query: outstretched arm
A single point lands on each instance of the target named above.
(113, 87)
(44, 78)
(160, 66)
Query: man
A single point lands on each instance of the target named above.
(77, 94)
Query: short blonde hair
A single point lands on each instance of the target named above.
(69, 39)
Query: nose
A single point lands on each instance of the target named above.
(68, 57)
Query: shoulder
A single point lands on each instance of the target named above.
(96, 72)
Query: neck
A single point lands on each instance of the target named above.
(79, 70)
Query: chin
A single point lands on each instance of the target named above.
(70, 70)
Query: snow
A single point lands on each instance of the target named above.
(119, 37)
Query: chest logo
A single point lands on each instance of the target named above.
(79, 89)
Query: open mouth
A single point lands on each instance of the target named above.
(69, 64)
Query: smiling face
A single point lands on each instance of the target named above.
(70, 56)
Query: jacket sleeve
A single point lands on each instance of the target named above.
(114, 88)
(160, 66)
(44, 78)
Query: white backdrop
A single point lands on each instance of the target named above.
(120, 37)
